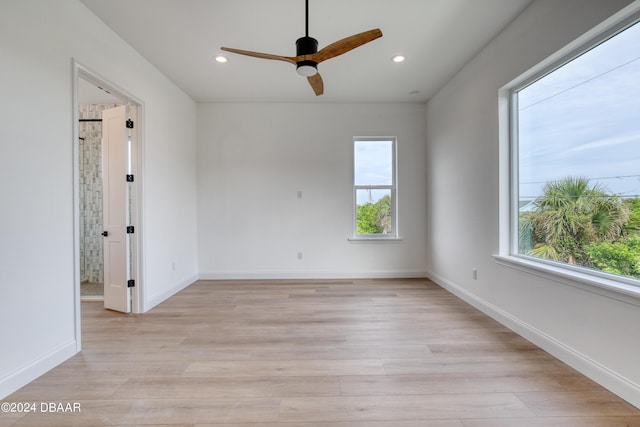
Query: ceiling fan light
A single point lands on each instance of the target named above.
(307, 70)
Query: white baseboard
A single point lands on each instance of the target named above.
(614, 382)
(159, 298)
(32, 370)
(311, 275)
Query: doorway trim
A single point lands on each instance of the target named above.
(137, 160)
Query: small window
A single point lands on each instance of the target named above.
(576, 161)
(374, 189)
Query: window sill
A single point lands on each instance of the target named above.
(375, 239)
(609, 288)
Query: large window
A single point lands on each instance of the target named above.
(374, 189)
(576, 160)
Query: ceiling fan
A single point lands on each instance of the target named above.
(307, 55)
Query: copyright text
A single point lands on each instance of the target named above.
(40, 407)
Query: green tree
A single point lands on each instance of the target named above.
(383, 207)
(621, 257)
(633, 226)
(367, 217)
(569, 216)
(374, 218)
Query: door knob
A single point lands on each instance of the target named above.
(105, 233)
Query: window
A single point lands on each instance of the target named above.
(575, 161)
(374, 188)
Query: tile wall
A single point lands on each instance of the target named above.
(90, 157)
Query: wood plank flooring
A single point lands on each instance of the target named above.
(379, 353)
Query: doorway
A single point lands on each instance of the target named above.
(91, 186)
(93, 98)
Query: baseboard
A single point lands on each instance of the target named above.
(614, 382)
(311, 275)
(32, 370)
(161, 297)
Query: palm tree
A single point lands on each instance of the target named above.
(568, 216)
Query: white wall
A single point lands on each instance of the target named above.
(598, 335)
(254, 158)
(38, 40)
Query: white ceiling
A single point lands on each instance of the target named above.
(182, 37)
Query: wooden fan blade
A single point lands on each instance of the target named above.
(260, 55)
(345, 45)
(316, 83)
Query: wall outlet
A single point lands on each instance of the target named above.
(299, 255)
(173, 266)
(474, 273)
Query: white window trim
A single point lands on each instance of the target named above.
(611, 287)
(616, 287)
(376, 238)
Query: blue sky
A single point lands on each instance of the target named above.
(584, 120)
(373, 166)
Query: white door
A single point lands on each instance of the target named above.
(115, 160)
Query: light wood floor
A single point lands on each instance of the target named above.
(379, 353)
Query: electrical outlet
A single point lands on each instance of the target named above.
(474, 273)
(173, 266)
(299, 255)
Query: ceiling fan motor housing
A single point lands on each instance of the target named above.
(306, 46)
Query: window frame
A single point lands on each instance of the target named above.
(610, 285)
(394, 236)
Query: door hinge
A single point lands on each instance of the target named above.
(129, 124)
(129, 178)
(131, 283)
(130, 229)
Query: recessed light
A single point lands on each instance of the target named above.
(398, 58)
(221, 59)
